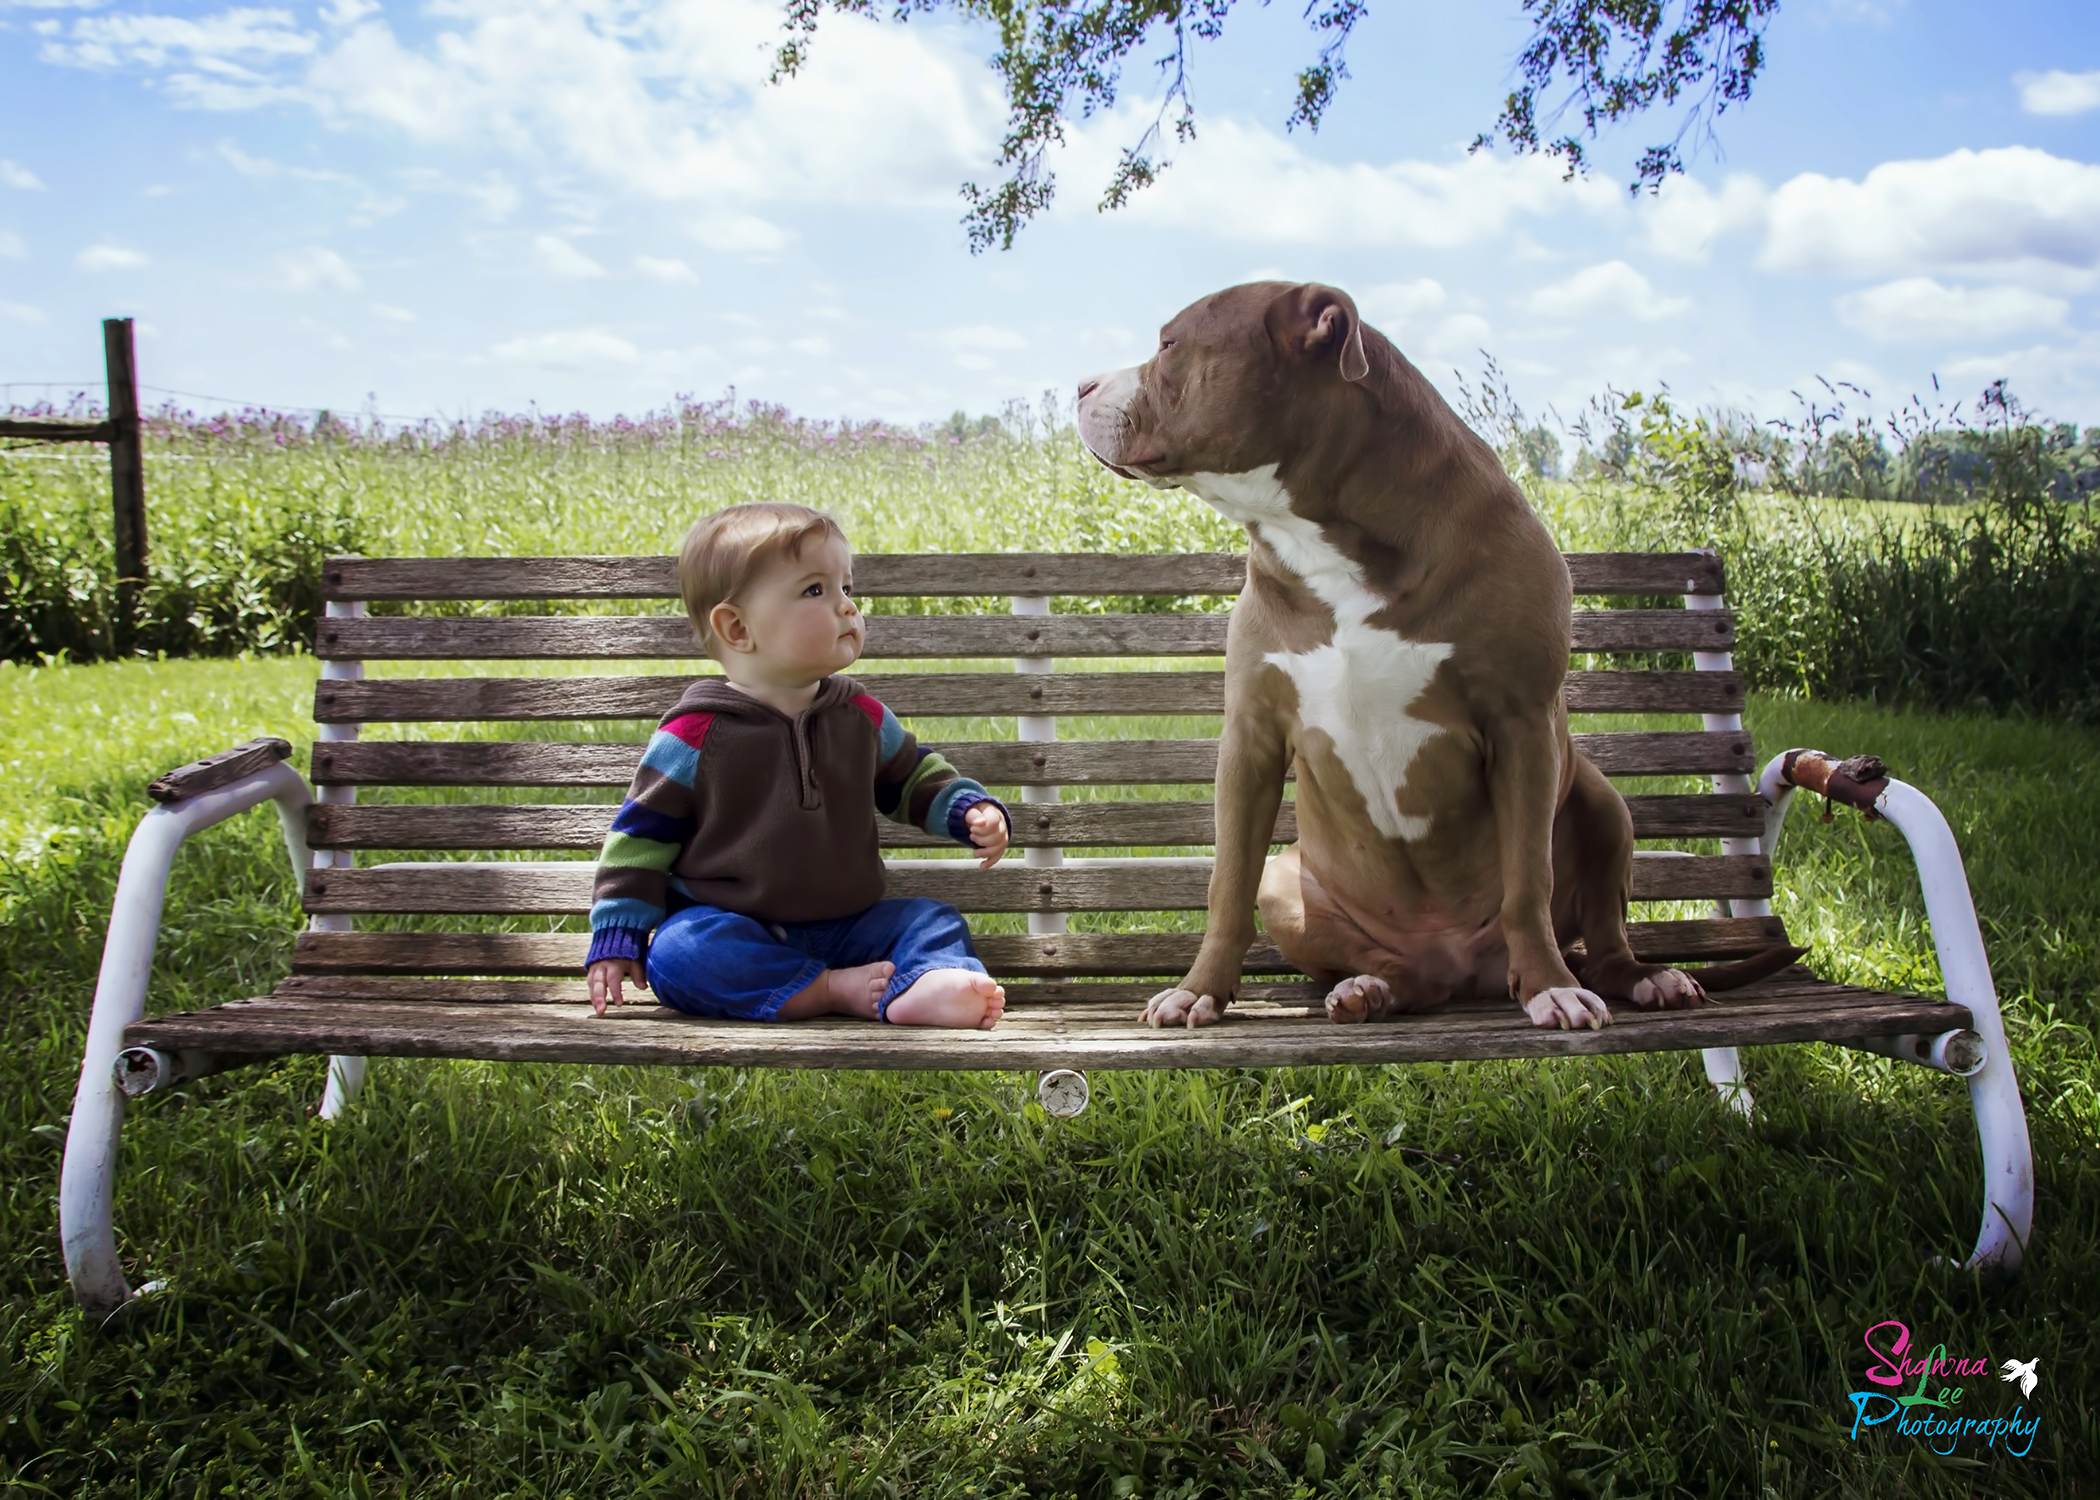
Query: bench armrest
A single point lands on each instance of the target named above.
(215, 771)
(1965, 969)
(85, 1181)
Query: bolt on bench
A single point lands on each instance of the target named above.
(1074, 997)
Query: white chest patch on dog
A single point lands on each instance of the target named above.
(1358, 688)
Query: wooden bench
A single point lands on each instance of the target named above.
(360, 987)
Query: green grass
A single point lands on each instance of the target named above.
(1573, 1279)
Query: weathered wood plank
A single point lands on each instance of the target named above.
(215, 771)
(1087, 1000)
(563, 887)
(994, 762)
(518, 699)
(420, 700)
(1644, 572)
(575, 991)
(877, 574)
(896, 637)
(63, 430)
(535, 763)
(1653, 630)
(1073, 825)
(1666, 753)
(670, 637)
(1038, 1036)
(537, 954)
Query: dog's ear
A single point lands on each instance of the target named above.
(1326, 324)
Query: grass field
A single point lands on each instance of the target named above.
(1578, 1279)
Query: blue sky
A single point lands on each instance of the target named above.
(595, 204)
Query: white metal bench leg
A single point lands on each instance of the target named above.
(88, 1177)
(1038, 729)
(1994, 1091)
(1724, 1065)
(346, 1075)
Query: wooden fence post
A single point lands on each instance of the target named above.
(127, 473)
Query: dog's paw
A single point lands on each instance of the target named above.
(1182, 1008)
(1668, 989)
(1569, 1009)
(1364, 998)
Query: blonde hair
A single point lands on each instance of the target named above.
(724, 551)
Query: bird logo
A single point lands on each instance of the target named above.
(2023, 1372)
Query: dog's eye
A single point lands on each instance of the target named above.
(1165, 345)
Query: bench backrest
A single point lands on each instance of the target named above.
(1024, 662)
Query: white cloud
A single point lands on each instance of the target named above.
(1611, 289)
(1417, 317)
(1685, 219)
(12, 246)
(983, 336)
(21, 312)
(664, 270)
(391, 313)
(111, 258)
(564, 259)
(2059, 93)
(348, 12)
(740, 233)
(2011, 210)
(1918, 309)
(671, 101)
(15, 176)
(1244, 182)
(2040, 372)
(314, 269)
(574, 349)
(977, 347)
(214, 62)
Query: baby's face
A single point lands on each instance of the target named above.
(802, 618)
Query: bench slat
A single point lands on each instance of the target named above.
(422, 700)
(1086, 999)
(1038, 1036)
(534, 954)
(563, 887)
(994, 762)
(897, 637)
(1078, 825)
(929, 574)
(1089, 999)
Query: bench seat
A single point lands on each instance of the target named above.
(1047, 1025)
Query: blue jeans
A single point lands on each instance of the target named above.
(709, 962)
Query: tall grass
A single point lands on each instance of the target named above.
(243, 507)
(1989, 604)
(1993, 604)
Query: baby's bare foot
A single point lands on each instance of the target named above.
(858, 992)
(950, 997)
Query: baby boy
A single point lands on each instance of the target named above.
(742, 877)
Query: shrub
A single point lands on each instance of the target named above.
(1993, 604)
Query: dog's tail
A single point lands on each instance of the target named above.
(1747, 970)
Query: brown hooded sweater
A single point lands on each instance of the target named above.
(740, 807)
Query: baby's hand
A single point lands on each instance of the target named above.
(987, 825)
(605, 976)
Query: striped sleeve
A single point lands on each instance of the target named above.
(657, 820)
(916, 785)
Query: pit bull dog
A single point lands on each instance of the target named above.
(1401, 639)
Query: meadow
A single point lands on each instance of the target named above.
(1495, 1279)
